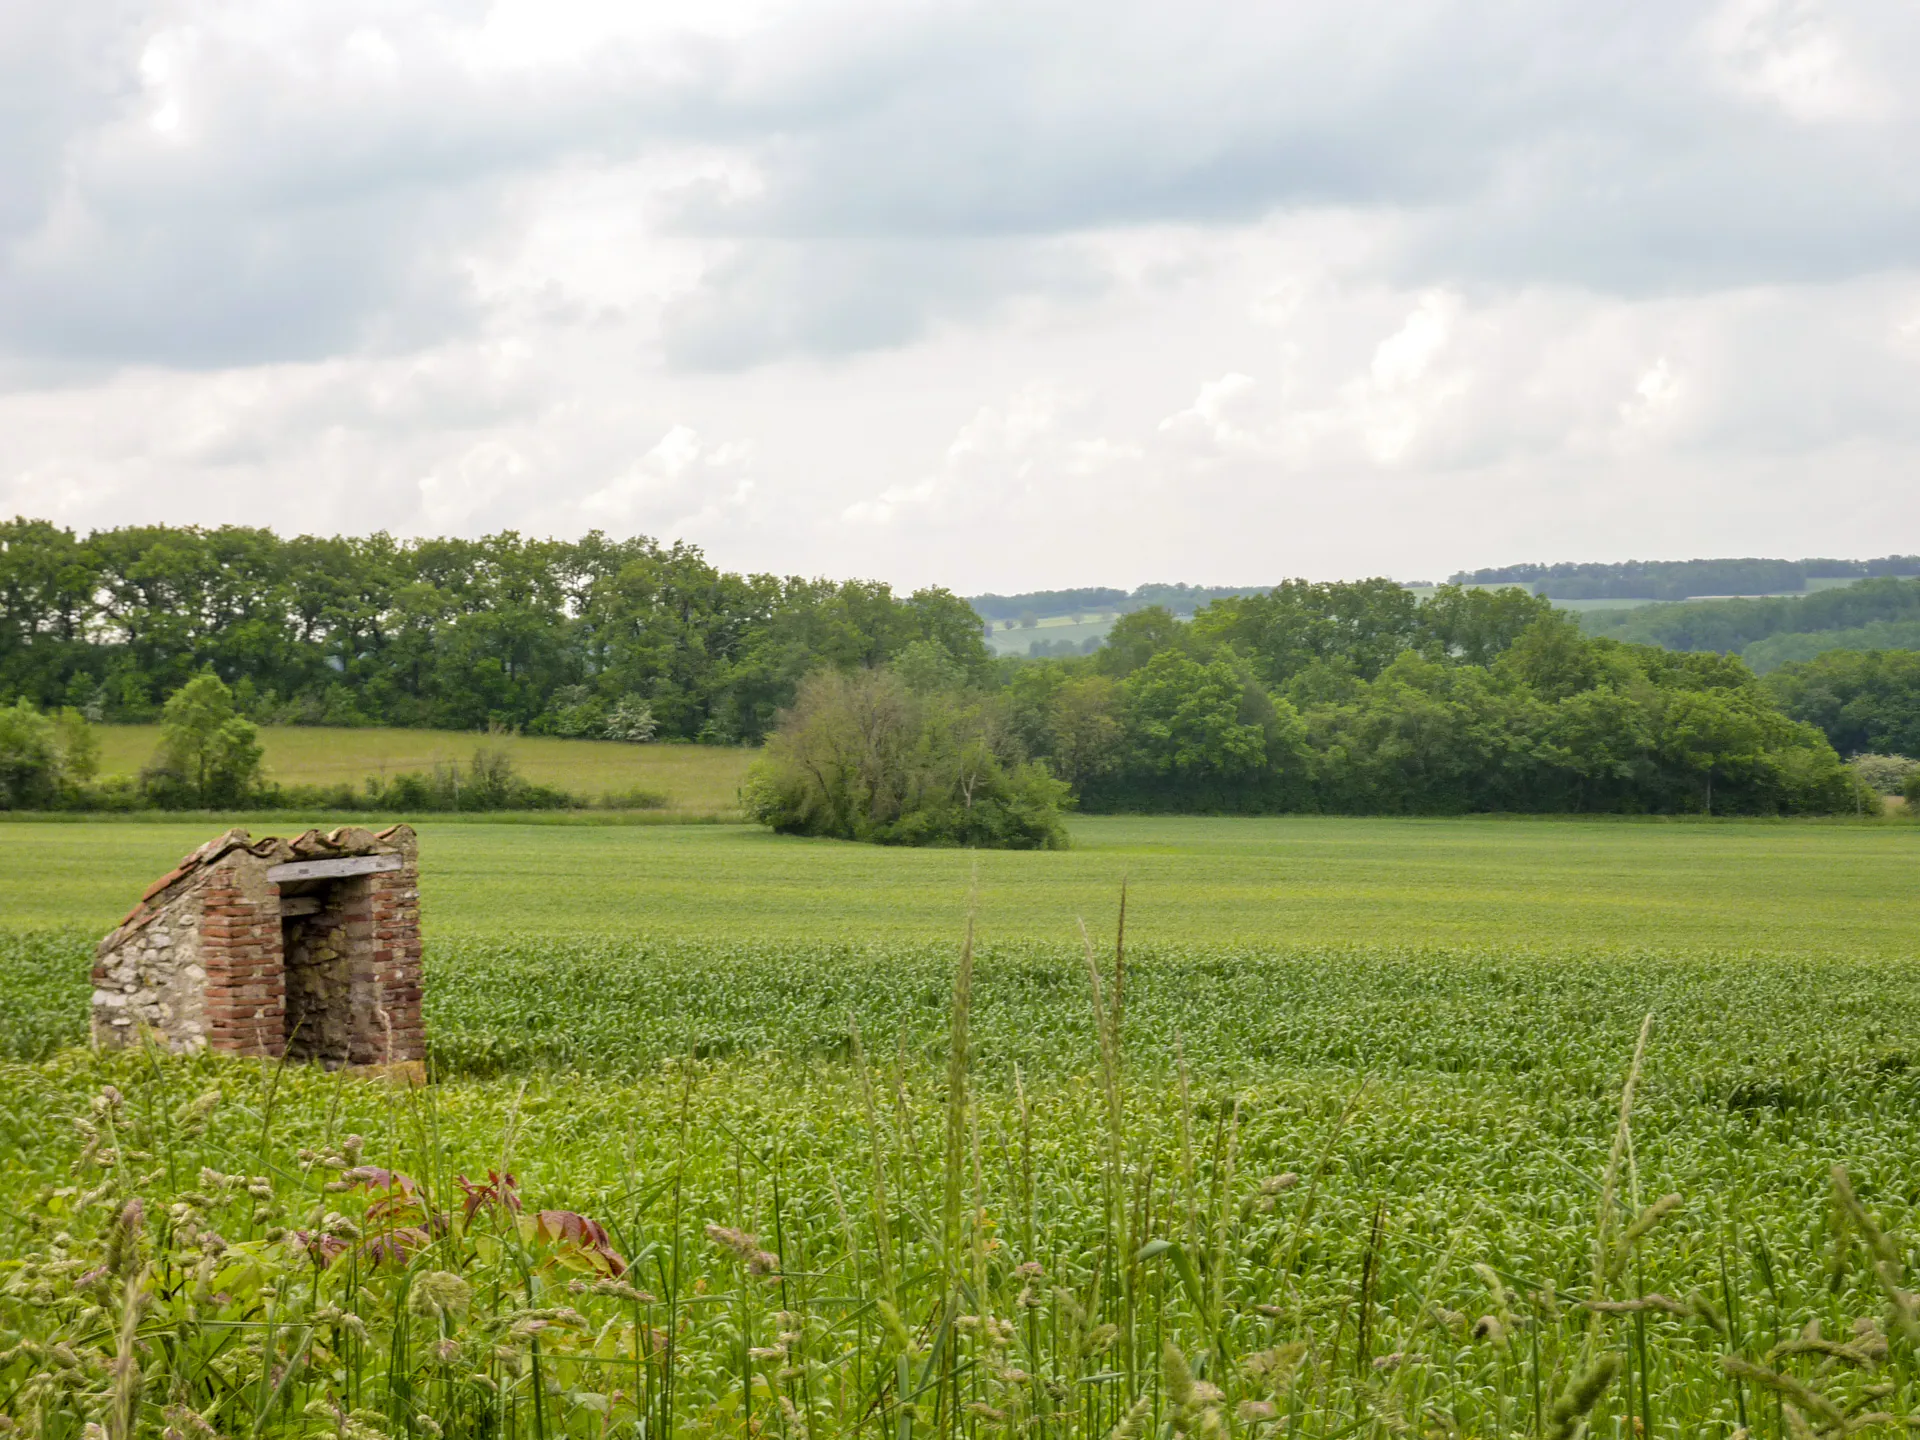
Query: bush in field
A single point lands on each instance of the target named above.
(1884, 774)
(864, 755)
(29, 759)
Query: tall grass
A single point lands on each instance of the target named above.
(947, 1243)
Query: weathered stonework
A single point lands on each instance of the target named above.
(307, 947)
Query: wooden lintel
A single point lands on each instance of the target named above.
(333, 869)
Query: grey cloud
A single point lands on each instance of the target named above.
(920, 162)
(1602, 145)
(774, 298)
(238, 287)
(316, 199)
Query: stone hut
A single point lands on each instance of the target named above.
(307, 948)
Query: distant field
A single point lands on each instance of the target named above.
(1014, 639)
(1537, 886)
(695, 778)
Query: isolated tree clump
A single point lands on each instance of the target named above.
(903, 759)
(1884, 774)
(209, 755)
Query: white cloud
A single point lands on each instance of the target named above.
(682, 483)
(1793, 54)
(1209, 424)
(466, 486)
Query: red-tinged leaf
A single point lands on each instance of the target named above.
(396, 1246)
(574, 1231)
(322, 1249)
(499, 1190)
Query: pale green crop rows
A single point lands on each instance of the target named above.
(1328, 1194)
(1366, 1178)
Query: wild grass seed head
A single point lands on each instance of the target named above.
(1568, 1415)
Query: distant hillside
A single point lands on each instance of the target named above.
(1074, 622)
(1771, 612)
(1686, 579)
(1095, 599)
(1877, 614)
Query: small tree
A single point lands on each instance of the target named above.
(1710, 734)
(1085, 728)
(1187, 720)
(631, 720)
(29, 758)
(79, 746)
(209, 755)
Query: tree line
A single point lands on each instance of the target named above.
(1682, 579)
(1737, 626)
(1865, 702)
(1350, 697)
(1353, 698)
(1358, 697)
(603, 638)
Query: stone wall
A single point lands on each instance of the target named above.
(155, 979)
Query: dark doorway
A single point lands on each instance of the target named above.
(326, 938)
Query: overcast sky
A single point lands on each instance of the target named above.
(996, 296)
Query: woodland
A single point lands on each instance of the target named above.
(1350, 697)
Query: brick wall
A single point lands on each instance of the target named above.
(246, 1004)
(392, 976)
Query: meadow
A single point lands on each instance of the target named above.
(1352, 1141)
(695, 779)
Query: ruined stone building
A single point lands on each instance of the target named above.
(308, 948)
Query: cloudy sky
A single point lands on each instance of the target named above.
(992, 295)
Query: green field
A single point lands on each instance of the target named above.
(1536, 885)
(696, 779)
(1347, 1153)
(1012, 639)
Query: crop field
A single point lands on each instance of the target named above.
(1010, 639)
(1538, 886)
(1353, 1141)
(699, 779)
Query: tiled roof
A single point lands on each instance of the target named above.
(313, 845)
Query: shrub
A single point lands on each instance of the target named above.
(29, 758)
(48, 761)
(577, 713)
(861, 756)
